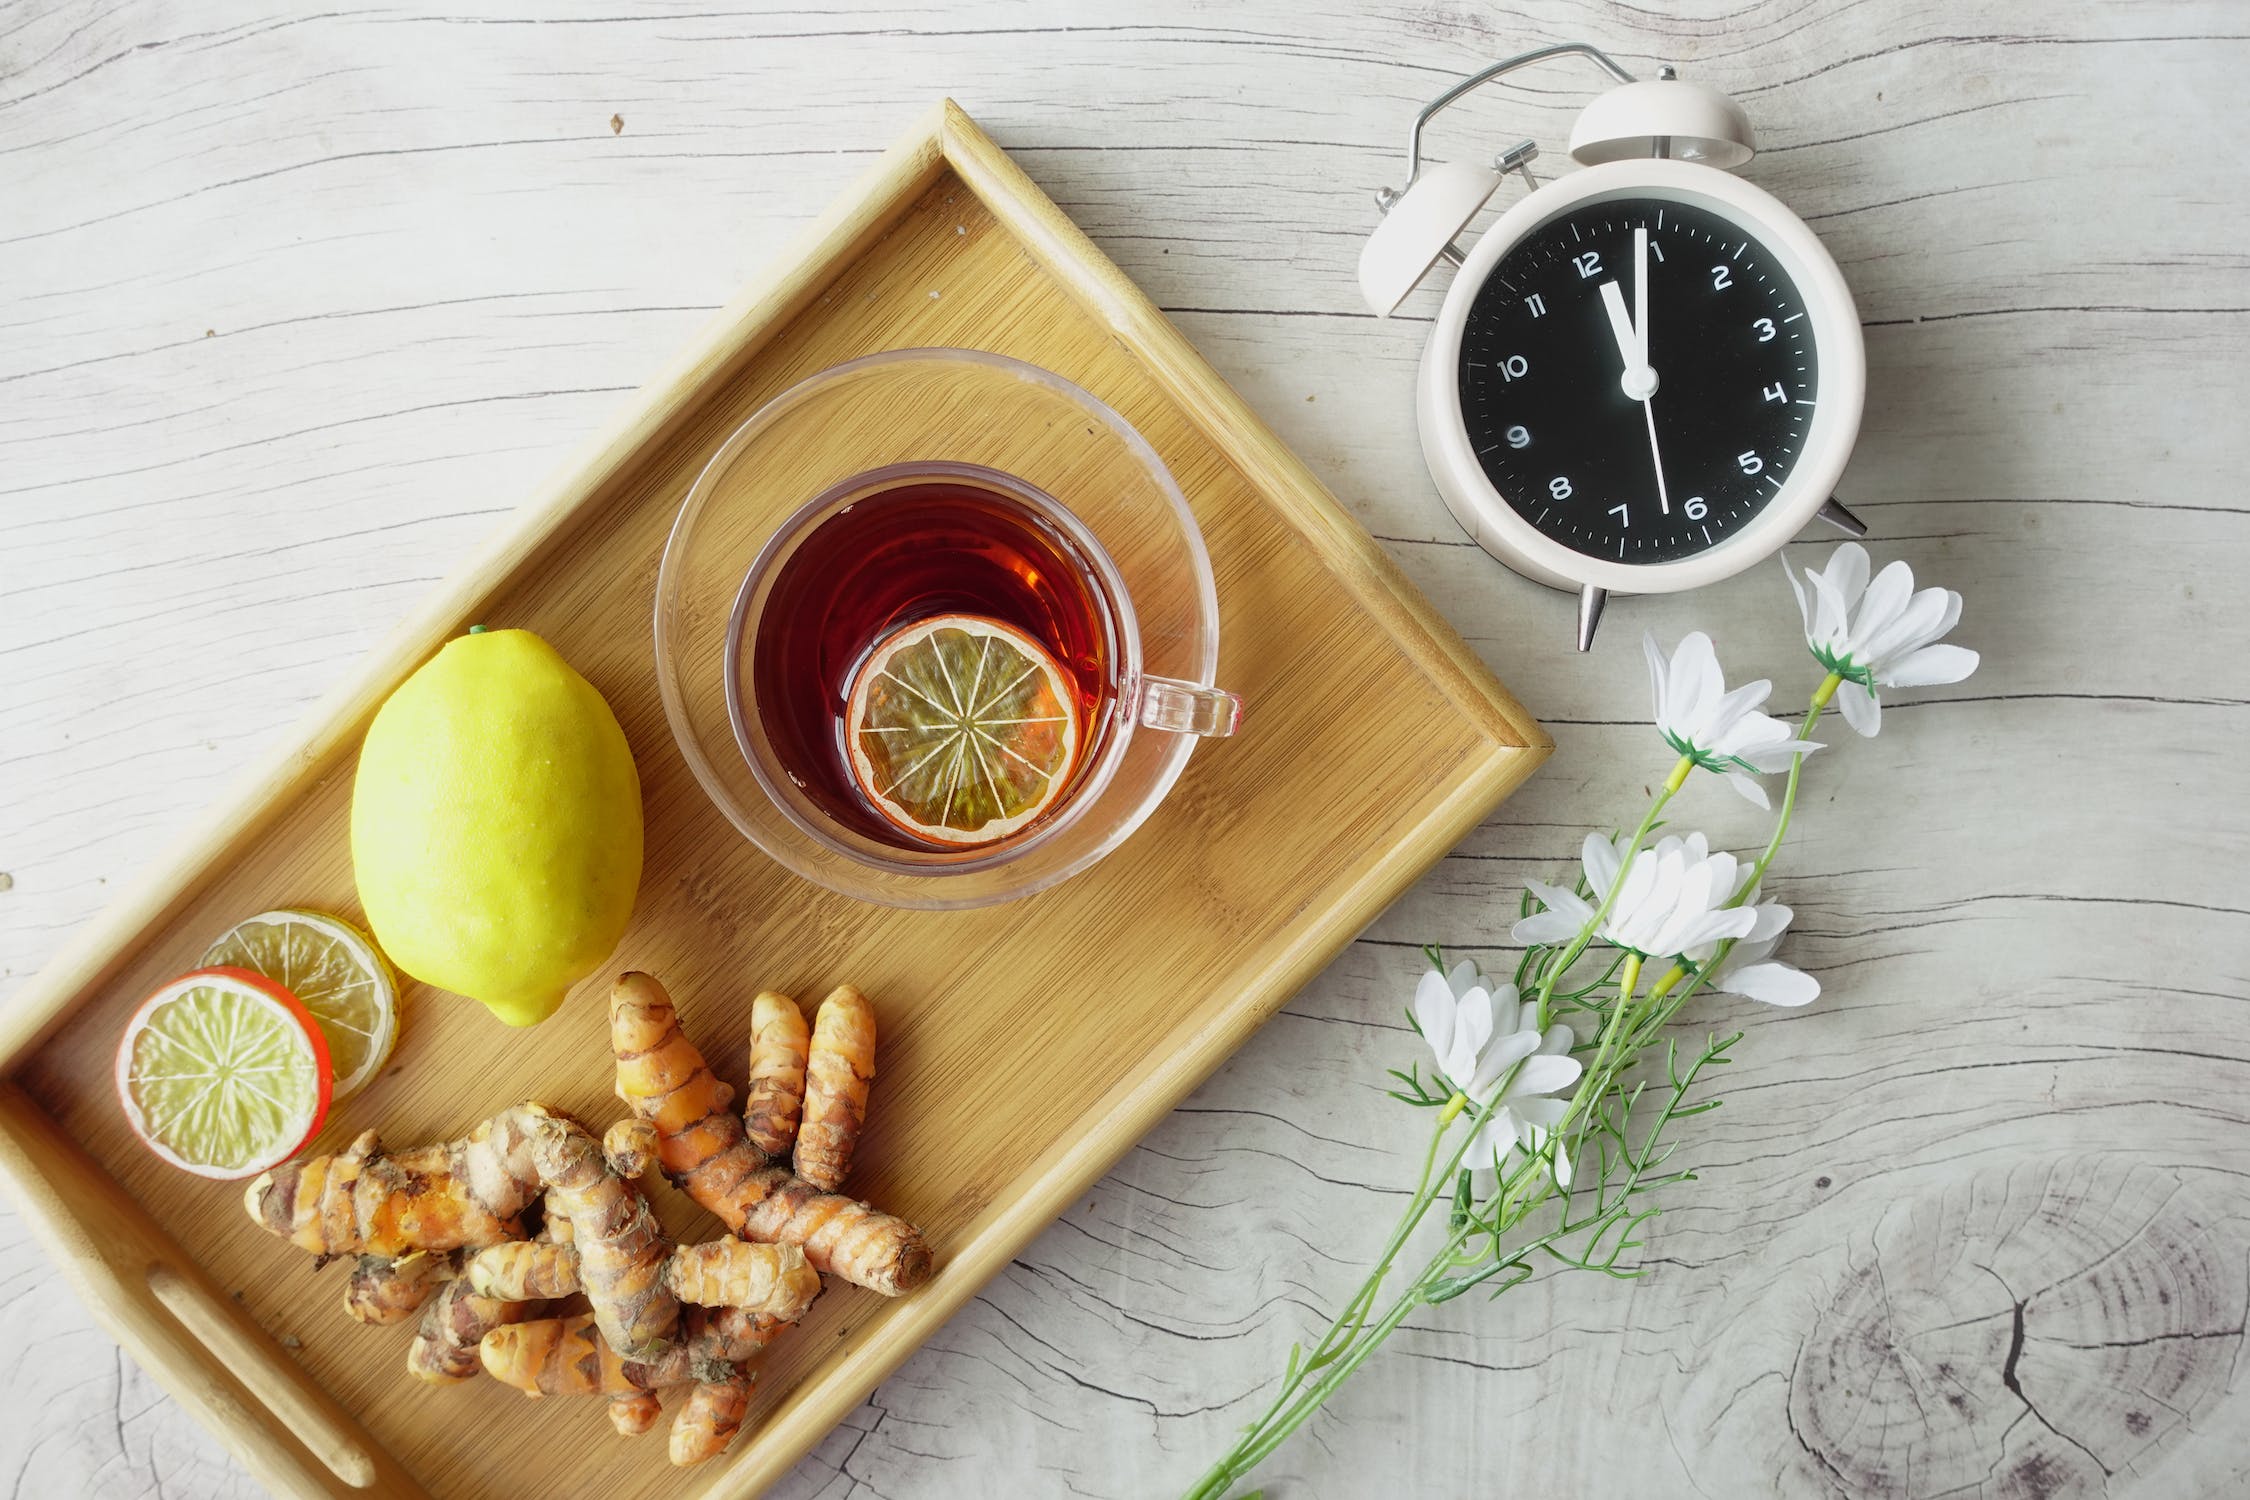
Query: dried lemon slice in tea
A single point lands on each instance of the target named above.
(335, 970)
(223, 1073)
(962, 730)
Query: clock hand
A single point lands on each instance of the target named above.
(1656, 459)
(1640, 295)
(1628, 345)
(1638, 380)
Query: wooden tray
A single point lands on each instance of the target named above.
(1025, 1046)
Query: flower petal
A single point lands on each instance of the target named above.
(1545, 927)
(1886, 599)
(1861, 711)
(1657, 668)
(1498, 1059)
(1806, 604)
(1472, 1027)
(1558, 1040)
(1544, 1073)
(1464, 977)
(1601, 858)
(1771, 984)
(1539, 1114)
(1748, 786)
(1434, 1008)
(1847, 573)
(1772, 919)
(1932, 666)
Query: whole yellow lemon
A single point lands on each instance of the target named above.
(496, 825)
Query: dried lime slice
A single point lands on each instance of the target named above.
(962, 730)
(223, 1073)
(335, 970)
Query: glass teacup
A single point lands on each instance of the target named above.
(956, 498)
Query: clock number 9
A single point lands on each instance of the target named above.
(1519, 437)
(1696, 509)
(1514, 367)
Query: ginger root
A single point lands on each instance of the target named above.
(778, 1043)
(838, 1070)
(703, 1147)
(470, 1192)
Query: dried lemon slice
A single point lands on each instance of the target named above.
(962, 730)
(335, 970)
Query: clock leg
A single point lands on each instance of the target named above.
(1843, 520)
(1590, 602)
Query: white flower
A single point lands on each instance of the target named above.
(1749, 970)
(1479, 1031)
(1674, 898)
(1880, 634)
(1718, 730)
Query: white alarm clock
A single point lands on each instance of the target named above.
(1647, 374)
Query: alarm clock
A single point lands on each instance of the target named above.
(1647, 374)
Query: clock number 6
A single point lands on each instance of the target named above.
(1696, 509)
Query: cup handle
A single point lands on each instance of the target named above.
(1189, 707)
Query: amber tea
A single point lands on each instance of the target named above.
(934, 664)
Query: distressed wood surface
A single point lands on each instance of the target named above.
(294, 305)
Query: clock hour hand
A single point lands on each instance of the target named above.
(1639, 380)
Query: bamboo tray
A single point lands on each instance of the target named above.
(1025, 1046)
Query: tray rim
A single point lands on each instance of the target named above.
(944, 139)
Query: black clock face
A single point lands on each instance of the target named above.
(1552, 372)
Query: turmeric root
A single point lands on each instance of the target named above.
(635, 1414)
(468, 1192)
(445, 1348)
(708, 1422)
(838, 1069)
(383, 1291)
(629, 1146)
(704, 1149)
(777, 1074)
(525, 1271)
(621, 1248)
(569, 1357)
(774, 1281)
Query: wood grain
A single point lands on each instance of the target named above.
(429, 267)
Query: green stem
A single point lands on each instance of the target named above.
(1820, 697)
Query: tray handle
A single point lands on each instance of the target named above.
(200, 1346)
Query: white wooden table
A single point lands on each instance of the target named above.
(293, 306)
